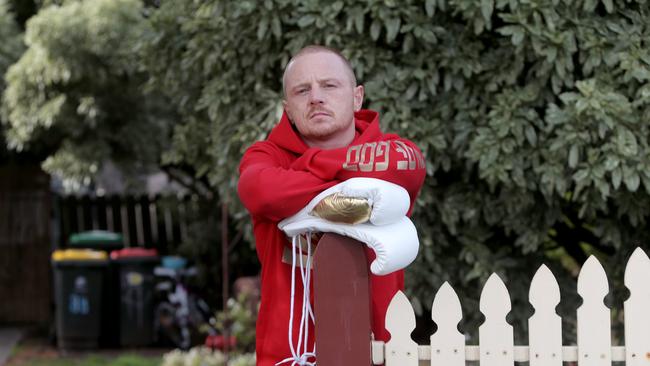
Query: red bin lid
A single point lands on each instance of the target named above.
(133, 253)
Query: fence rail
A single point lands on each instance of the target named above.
(147, 221)
(472, 353)
(496, 346)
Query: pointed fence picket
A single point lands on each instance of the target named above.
(545, 326)
(496, 346)
(594, 323)
(637, 321)
(447, 344)
(495, 334)
(400, 321)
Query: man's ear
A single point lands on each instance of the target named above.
(358, 97)
(286, 110)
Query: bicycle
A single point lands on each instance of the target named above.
(181, 316)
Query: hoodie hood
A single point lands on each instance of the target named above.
(366, 124)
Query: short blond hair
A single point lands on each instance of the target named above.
(318, 48)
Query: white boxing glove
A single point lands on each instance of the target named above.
(389, 233)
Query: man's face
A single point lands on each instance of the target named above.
(321, 98)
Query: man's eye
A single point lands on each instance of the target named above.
(330, 86)
(301, 91)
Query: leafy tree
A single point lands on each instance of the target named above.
(11, 48)
(76, 91)
(22, 10)
(77, 95)
(532, 116)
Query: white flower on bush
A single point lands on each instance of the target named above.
(243, 360)
(203, 356)
(174, 358)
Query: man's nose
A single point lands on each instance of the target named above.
(316, 96)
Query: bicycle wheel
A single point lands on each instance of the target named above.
(167, 328)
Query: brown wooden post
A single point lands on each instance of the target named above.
(341, 302)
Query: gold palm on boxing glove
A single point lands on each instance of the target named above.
(343, 209)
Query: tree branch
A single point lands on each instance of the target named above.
(177, 175)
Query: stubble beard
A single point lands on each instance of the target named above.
(321, 130)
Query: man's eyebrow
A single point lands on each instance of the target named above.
(329, 80)
(307, 84)
(301, 85)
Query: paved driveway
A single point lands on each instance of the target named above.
(9, 337)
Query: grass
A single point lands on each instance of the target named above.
(37, 349)
(97, 360)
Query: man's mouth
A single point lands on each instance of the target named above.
(319, 114)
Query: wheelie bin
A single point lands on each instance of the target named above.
(78, 286)
(107, 241)
(134, 268)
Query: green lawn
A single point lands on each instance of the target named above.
(95, 360)
(36, 349)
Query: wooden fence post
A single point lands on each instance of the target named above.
(341, 302)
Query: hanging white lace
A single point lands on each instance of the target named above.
(299, 353)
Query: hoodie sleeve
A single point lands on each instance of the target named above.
(269, 188)
(392, 159)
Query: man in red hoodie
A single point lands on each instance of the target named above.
(323, 138)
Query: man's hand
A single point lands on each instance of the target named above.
(343, 209)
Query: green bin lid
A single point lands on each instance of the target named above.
(95, 237)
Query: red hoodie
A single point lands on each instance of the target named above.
(278, 177)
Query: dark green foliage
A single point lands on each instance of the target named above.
(22, 10)
(11, 46)
(533, 116)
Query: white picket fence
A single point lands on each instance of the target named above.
(496, 345)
